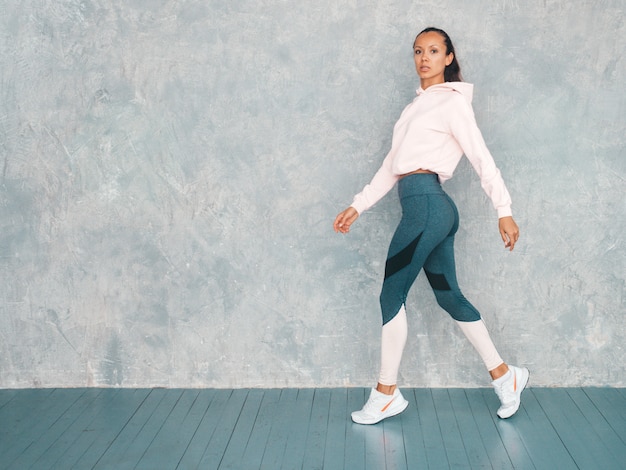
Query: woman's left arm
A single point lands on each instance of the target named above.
(466, 132)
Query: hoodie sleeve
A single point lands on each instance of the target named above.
(381, 184)
(466, 132)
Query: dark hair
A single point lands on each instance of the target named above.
(452, 73)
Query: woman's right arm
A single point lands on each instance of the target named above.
(381, 184)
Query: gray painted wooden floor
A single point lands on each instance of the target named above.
(565, 428)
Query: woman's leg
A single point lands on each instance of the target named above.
(440, 269)
(477, 334)
(426, 222)
(422, 227)
(386, 400)
(392, 343)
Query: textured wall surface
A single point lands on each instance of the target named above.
(171, 170)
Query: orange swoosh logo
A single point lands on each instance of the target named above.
(387, 405)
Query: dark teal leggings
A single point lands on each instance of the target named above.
(424, 239)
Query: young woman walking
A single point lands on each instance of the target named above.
(432, 134)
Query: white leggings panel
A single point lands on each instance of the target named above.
(477, 334)
(394, 337)
(392, 345)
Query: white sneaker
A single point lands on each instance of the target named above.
(380, 406)
(509, 389)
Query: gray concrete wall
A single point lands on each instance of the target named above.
(171, 170)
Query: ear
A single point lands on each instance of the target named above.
(449, 58)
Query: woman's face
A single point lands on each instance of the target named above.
(429, 53)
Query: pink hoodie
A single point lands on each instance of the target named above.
(432, 133)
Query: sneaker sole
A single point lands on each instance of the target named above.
(385, 416)
(522, 388)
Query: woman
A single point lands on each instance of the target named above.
(429, 139)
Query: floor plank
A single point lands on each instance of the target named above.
(113, 417)
(394, 444)
(224, 430)
(121, 453)
(279, 432)
(316, 436)
(354, 451)
(507, 429)
(374, 446)
(170, 442)
(473, 445)
(232, 458)
(434, 447)
(611, 403)
(452, 441)
(254, 451)
(566, 428)
(483, 410)
(18, 442)
(334, 455)
(205, 429)
(47, 438)
(539, 436)
(613, 443)
(574, 431)
(6, 395)
(413, 433)
(297, 438)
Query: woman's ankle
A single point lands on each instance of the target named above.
(499, 371)
(386, 389)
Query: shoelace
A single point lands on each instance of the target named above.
(373, 406)
(503, 393)
(370, 406)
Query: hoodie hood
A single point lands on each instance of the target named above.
(466, 89)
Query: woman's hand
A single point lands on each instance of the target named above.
(345, 219)
(509, 231)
